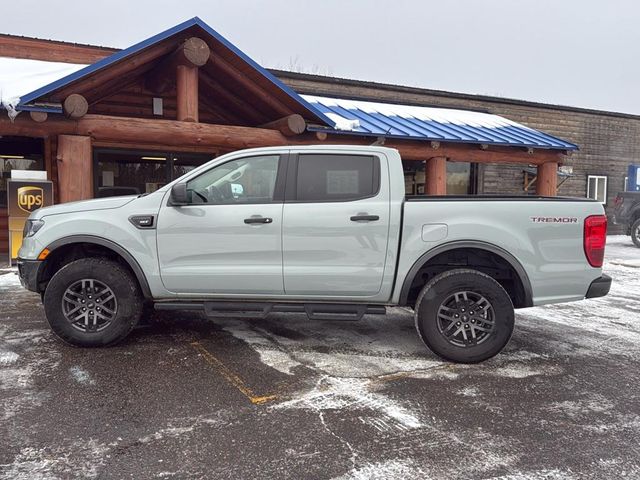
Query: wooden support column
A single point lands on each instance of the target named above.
(187, 93)
(547, 182)
(436, 176)
(75, 168)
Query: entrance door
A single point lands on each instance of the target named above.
(336, 225)
(228, 239)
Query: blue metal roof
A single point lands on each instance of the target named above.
(105, 62)
(430, 123)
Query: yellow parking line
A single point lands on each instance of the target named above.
(231, 376)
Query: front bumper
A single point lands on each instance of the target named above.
(599, 287)
(28, 272)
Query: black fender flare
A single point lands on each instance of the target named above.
(103, 242)
(455, 245)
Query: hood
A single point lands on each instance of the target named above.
(83, 206)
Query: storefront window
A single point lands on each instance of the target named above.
(461, 178)
(120, 172)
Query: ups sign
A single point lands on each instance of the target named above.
(30, 198)
(26, 196)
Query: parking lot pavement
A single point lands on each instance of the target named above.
(285, 397)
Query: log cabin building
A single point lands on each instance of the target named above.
(113, 122)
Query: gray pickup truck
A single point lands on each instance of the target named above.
(324, 230)
(627, 213)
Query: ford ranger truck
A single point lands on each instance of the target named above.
(327, 231)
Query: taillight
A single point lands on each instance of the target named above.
(595, 238)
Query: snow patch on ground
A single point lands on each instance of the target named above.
(469, 392)
(81, 376)
(553, 474)
(331, 393)
(8, 357)
(81, 460)
(9, 280)
(584, 406)
(389, 470)
(523, 371)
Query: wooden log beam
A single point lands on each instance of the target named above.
(436, 176)
(38, 116)
(187, 93)
(75, 106)
(547, 181)
(176, 133)
(75, 168)
(289, 126)
(193, 52)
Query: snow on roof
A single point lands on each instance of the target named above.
(430, 123)
(19, 76)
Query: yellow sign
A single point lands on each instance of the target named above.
(30, 198)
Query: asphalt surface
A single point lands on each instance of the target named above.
(285, 397)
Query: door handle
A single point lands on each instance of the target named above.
(252, 220)
(365, 218)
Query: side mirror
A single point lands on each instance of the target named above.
(179, 194)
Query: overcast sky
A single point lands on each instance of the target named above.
(582, 53)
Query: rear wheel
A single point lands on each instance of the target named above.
(635, 232)
(464, 316)
(92, 302)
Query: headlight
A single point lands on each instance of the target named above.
(31, 227)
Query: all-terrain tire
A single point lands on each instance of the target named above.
(107, 282)
(481, 313)
(635, 233)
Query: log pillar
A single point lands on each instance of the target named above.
(436, 176)
(75, 168)
(547, 181)
(187, 93)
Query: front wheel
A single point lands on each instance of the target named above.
(464, 316)
(92, 302)
(635, 233)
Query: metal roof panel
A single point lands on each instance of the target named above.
(430, 123)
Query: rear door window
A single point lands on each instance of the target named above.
(336, 178)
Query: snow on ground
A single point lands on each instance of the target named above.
(9, 278)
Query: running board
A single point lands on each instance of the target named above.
(315, 311)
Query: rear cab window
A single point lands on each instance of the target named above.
(336, 177)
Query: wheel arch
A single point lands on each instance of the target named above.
(423, 261)
(116, 249)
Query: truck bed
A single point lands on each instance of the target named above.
(544, 235)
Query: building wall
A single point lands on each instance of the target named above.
(608, 142)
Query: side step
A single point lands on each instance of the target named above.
(315, 311)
